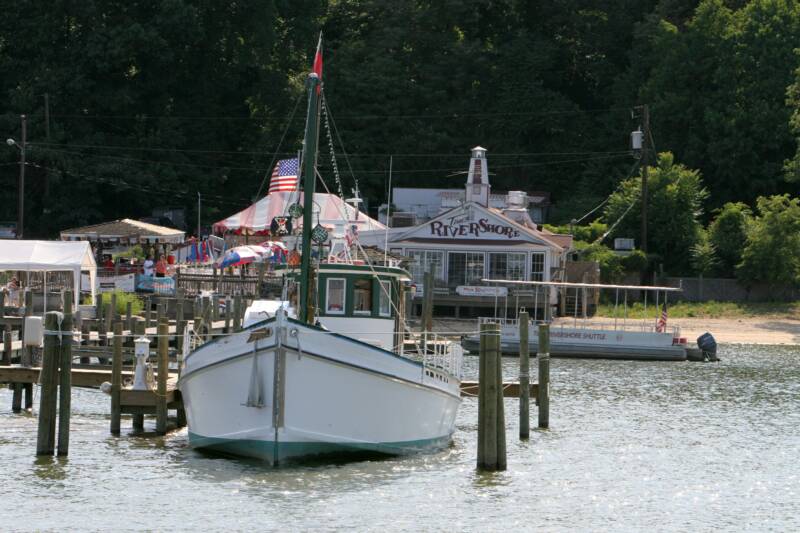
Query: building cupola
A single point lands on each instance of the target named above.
(478, 178)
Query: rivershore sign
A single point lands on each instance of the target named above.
(473, 241)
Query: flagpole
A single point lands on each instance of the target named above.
(388, 213)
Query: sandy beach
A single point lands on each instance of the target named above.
(748, 330)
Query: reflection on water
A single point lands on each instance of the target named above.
(632, 445)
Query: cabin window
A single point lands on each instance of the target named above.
(465, 268)
(507, 266)
(334, 299)
(385, 299)
(362, 296)
(537, 266)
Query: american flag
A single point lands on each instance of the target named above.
(661, 324)
(284, 177)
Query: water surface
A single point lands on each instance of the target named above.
(632, 446)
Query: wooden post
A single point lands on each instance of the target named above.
(215, 282)
(138, 419)
(491, 418)
(98, 313)
(228, 313)
(237, 312)
(427, 302)
(65, 381)
(45, 438)
(111, 311)
(524, 377)
(7, 345)
(147, 313)
(129, 316)
(116, 379)
(500, 426)
(261, 271)
(27, 351)
(544, 376)
(180, 324)
(161, 394)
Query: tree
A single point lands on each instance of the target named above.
(675, 200)
(772, 250)
(704, 257)
(727, 232)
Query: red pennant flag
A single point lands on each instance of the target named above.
(317, 68)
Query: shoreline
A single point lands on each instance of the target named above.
(744, 330)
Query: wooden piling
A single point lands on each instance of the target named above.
(98, 314)
(237, 312)
(161, 392)
(129, 316)
(7, 348)
(544, 376)
(65, 377)
(116, 379)
(427, 302)
(148, 310)
(491, 418)
(228, 313)
(180, 324)
(27, 351)
(138, 419)
(524, 377)
(45, 438)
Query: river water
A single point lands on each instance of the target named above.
(632, 446)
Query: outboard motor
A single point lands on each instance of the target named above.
(708, 345)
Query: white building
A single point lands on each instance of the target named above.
(474, 240)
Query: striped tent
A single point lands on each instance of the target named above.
(256, 219)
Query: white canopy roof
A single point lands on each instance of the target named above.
(50, 256)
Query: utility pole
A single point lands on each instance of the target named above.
(645, 162)
(198, 216)
(21, 199)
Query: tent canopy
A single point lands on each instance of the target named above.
(50, 256)
(328, 207)
(125, 230)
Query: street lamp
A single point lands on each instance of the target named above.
(21, 198)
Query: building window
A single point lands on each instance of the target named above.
(537, 266)
(465, 268)
(507, 266)
(334, 296)
(362, 296)
(423, 260)
(385, 299)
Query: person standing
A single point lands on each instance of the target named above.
(161, 267)
(148, 266)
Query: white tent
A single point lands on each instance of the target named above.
(50, 256)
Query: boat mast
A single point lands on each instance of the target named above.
(309, 179)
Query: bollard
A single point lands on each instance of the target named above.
(45, 438)
(116, 379)
(544, 376)
(491, 418)
(65, 381)
(161, 393)
(524, 377)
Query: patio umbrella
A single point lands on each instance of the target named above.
(242, 255)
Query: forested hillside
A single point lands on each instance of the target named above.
(151, 102)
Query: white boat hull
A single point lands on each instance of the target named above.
(592, 343)
(312, 392)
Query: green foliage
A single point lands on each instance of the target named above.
(710, 309)
(122, 302)
(728, 233)
(611, 269)
(704, 255)
(134, 251)
(588, 233)
(636, 261)
(772, 251)
(675, 199)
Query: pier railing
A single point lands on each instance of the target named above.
(621, 324)
(438, 353)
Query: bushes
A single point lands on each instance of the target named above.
(122, 302)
